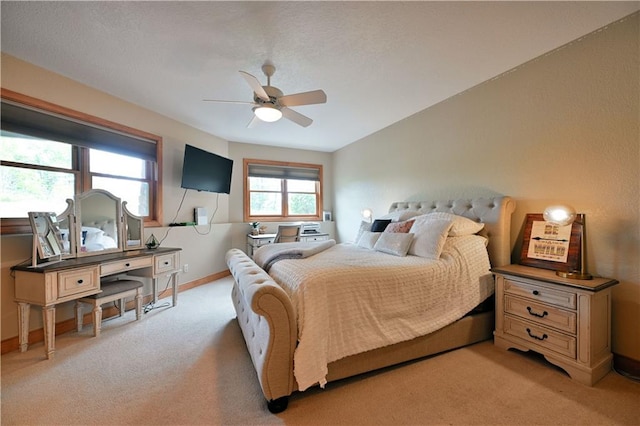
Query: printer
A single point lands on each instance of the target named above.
(310, 228)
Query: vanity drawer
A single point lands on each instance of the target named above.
(78, 281)
(166, 263)
(541, 313)
(541, 294)
(541, 336)
(122, 266)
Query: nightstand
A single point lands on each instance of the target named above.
(566, 320)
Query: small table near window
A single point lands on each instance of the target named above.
(254, 242)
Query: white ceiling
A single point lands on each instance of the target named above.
(378, 62)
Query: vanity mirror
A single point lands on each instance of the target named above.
(47, 239)
(66, 224)
(133, 229)
(98, 223)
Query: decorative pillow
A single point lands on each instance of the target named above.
(461, 225)
(379, 225)
(430, 236)
(368, 239)
(402, 227)
(401, 215)
(364, 226)
(394, 243)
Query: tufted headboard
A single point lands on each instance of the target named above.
(494, 212)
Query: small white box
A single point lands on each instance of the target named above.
(200, 216)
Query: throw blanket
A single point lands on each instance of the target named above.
(269, 254)
(350, 300)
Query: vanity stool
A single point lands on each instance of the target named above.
(111, 291)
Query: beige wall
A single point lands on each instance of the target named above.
(561, 128)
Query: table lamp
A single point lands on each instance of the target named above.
(562, 216)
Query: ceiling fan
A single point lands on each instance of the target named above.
(270, 104)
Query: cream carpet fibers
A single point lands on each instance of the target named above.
(188, 365)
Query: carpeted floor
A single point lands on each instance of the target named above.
(188, 366)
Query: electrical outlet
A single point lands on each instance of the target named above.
(185, 268)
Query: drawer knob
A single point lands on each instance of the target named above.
(535, 314)
(127, 264)
(80, 282)
(544, 336)
(166, 263)
(536, 292)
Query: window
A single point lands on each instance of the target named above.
(50, 153)
(282, 191)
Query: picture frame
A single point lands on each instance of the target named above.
(549, 246)
(326, 216)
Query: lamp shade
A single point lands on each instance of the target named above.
(367, 214)
(268, 113)
(559, 215)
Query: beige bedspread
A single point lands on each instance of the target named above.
(350, 299)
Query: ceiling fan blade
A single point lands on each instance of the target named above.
(296, 117)
(253, 122)
(228, 102)
(306, 98)
(255, 85)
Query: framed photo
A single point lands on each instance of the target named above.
(326, 216)
(550, 246)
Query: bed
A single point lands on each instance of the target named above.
(275, 310)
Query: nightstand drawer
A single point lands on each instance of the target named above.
(541, 294)
(541, 313)
(541, 336)
(78, 281)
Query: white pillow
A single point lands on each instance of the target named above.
(400, 215)
(430, 236)
(368, 239)
(364, 227)
(461, 225)
(92, 235)
(394, 243)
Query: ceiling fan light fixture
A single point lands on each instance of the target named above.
(268, 113)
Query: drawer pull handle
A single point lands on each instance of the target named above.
(127, 264)
(166, 263)
(536, 292)
(80, 282)
(535, 314)
(544, 336)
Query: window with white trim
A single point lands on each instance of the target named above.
(277, 191)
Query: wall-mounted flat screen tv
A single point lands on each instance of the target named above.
(206, 171)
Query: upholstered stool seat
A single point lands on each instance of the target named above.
(111, 291)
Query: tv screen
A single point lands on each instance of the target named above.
(206, 171)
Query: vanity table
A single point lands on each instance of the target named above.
(95, 239)
(50, 284)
